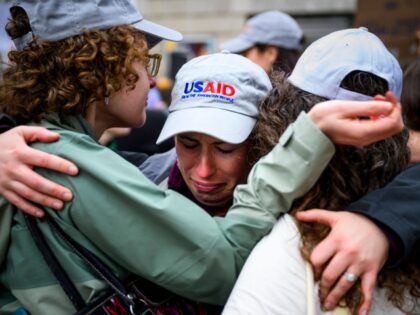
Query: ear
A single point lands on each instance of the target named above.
(272, 53)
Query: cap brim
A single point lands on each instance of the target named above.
(237, 45)
(235, 127)
(155, 32)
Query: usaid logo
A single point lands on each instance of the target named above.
(219, 90)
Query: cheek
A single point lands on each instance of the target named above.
(185, 159)
(237, 169)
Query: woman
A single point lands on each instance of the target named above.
(271, 39)
(274, 279)
(97, 77)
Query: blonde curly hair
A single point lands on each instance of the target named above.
(69, 75)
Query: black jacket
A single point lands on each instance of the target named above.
(396, 209)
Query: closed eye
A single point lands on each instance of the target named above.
(189, 146)
(187, 143)
(226, 151)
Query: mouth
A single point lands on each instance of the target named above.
(204, 187)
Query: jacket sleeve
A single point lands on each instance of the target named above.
(397, 208)
(168, 239)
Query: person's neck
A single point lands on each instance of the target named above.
(98, 124)
(414, 145)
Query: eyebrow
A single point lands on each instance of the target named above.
(182, 136)
(186, 137)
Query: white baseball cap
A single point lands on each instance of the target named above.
(270, 28)
(327, 61)
(53, 20)
(216, 95)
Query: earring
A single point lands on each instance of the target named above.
(106, 100)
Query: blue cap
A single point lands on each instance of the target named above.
(53, 20)
(327, 61)
(269, 28)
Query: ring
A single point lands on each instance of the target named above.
(350, 277)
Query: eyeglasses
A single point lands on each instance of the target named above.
(153, 64)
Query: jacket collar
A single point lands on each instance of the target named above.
(74, 123)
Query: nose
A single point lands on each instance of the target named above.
(152, 82)
(206, 166)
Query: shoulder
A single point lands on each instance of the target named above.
(68, 139)
(158, 166)
(273, 280)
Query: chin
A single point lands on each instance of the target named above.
(143, 118)
(214, 203)
(139, 122)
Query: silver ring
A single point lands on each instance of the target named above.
(350, 277)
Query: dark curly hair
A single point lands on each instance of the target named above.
(69, 75)
(352, 173)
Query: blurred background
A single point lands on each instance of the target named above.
(206, 24)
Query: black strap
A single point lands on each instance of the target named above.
(102, 270)
(53, 264)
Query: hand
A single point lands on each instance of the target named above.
(112, 133)
(355, 244)
(340, 120)
(19, 184)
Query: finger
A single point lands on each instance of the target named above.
(324, 252)
(34, 196)
(331, 277)
(368, 285)
(379, 97)
(320, 216)
(366, 109)
(339, 290)
(24, 205)
(32, 134)
(39, 186)
(391, 97)
(369, 131)
(44, 160)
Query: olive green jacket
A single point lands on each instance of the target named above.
(136, 227)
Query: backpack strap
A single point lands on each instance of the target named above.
(53, 264)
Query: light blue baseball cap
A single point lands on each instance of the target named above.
(53, 20)
(216, 95)
(270, 28)
(326, 62)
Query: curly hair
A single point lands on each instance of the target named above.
(69, 75)
(352, 173)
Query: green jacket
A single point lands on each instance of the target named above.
(135, 227)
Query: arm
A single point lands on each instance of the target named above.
(18, 182)
(205, 253)
(204, 250)
(395, 207)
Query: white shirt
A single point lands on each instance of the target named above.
(273, 280)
